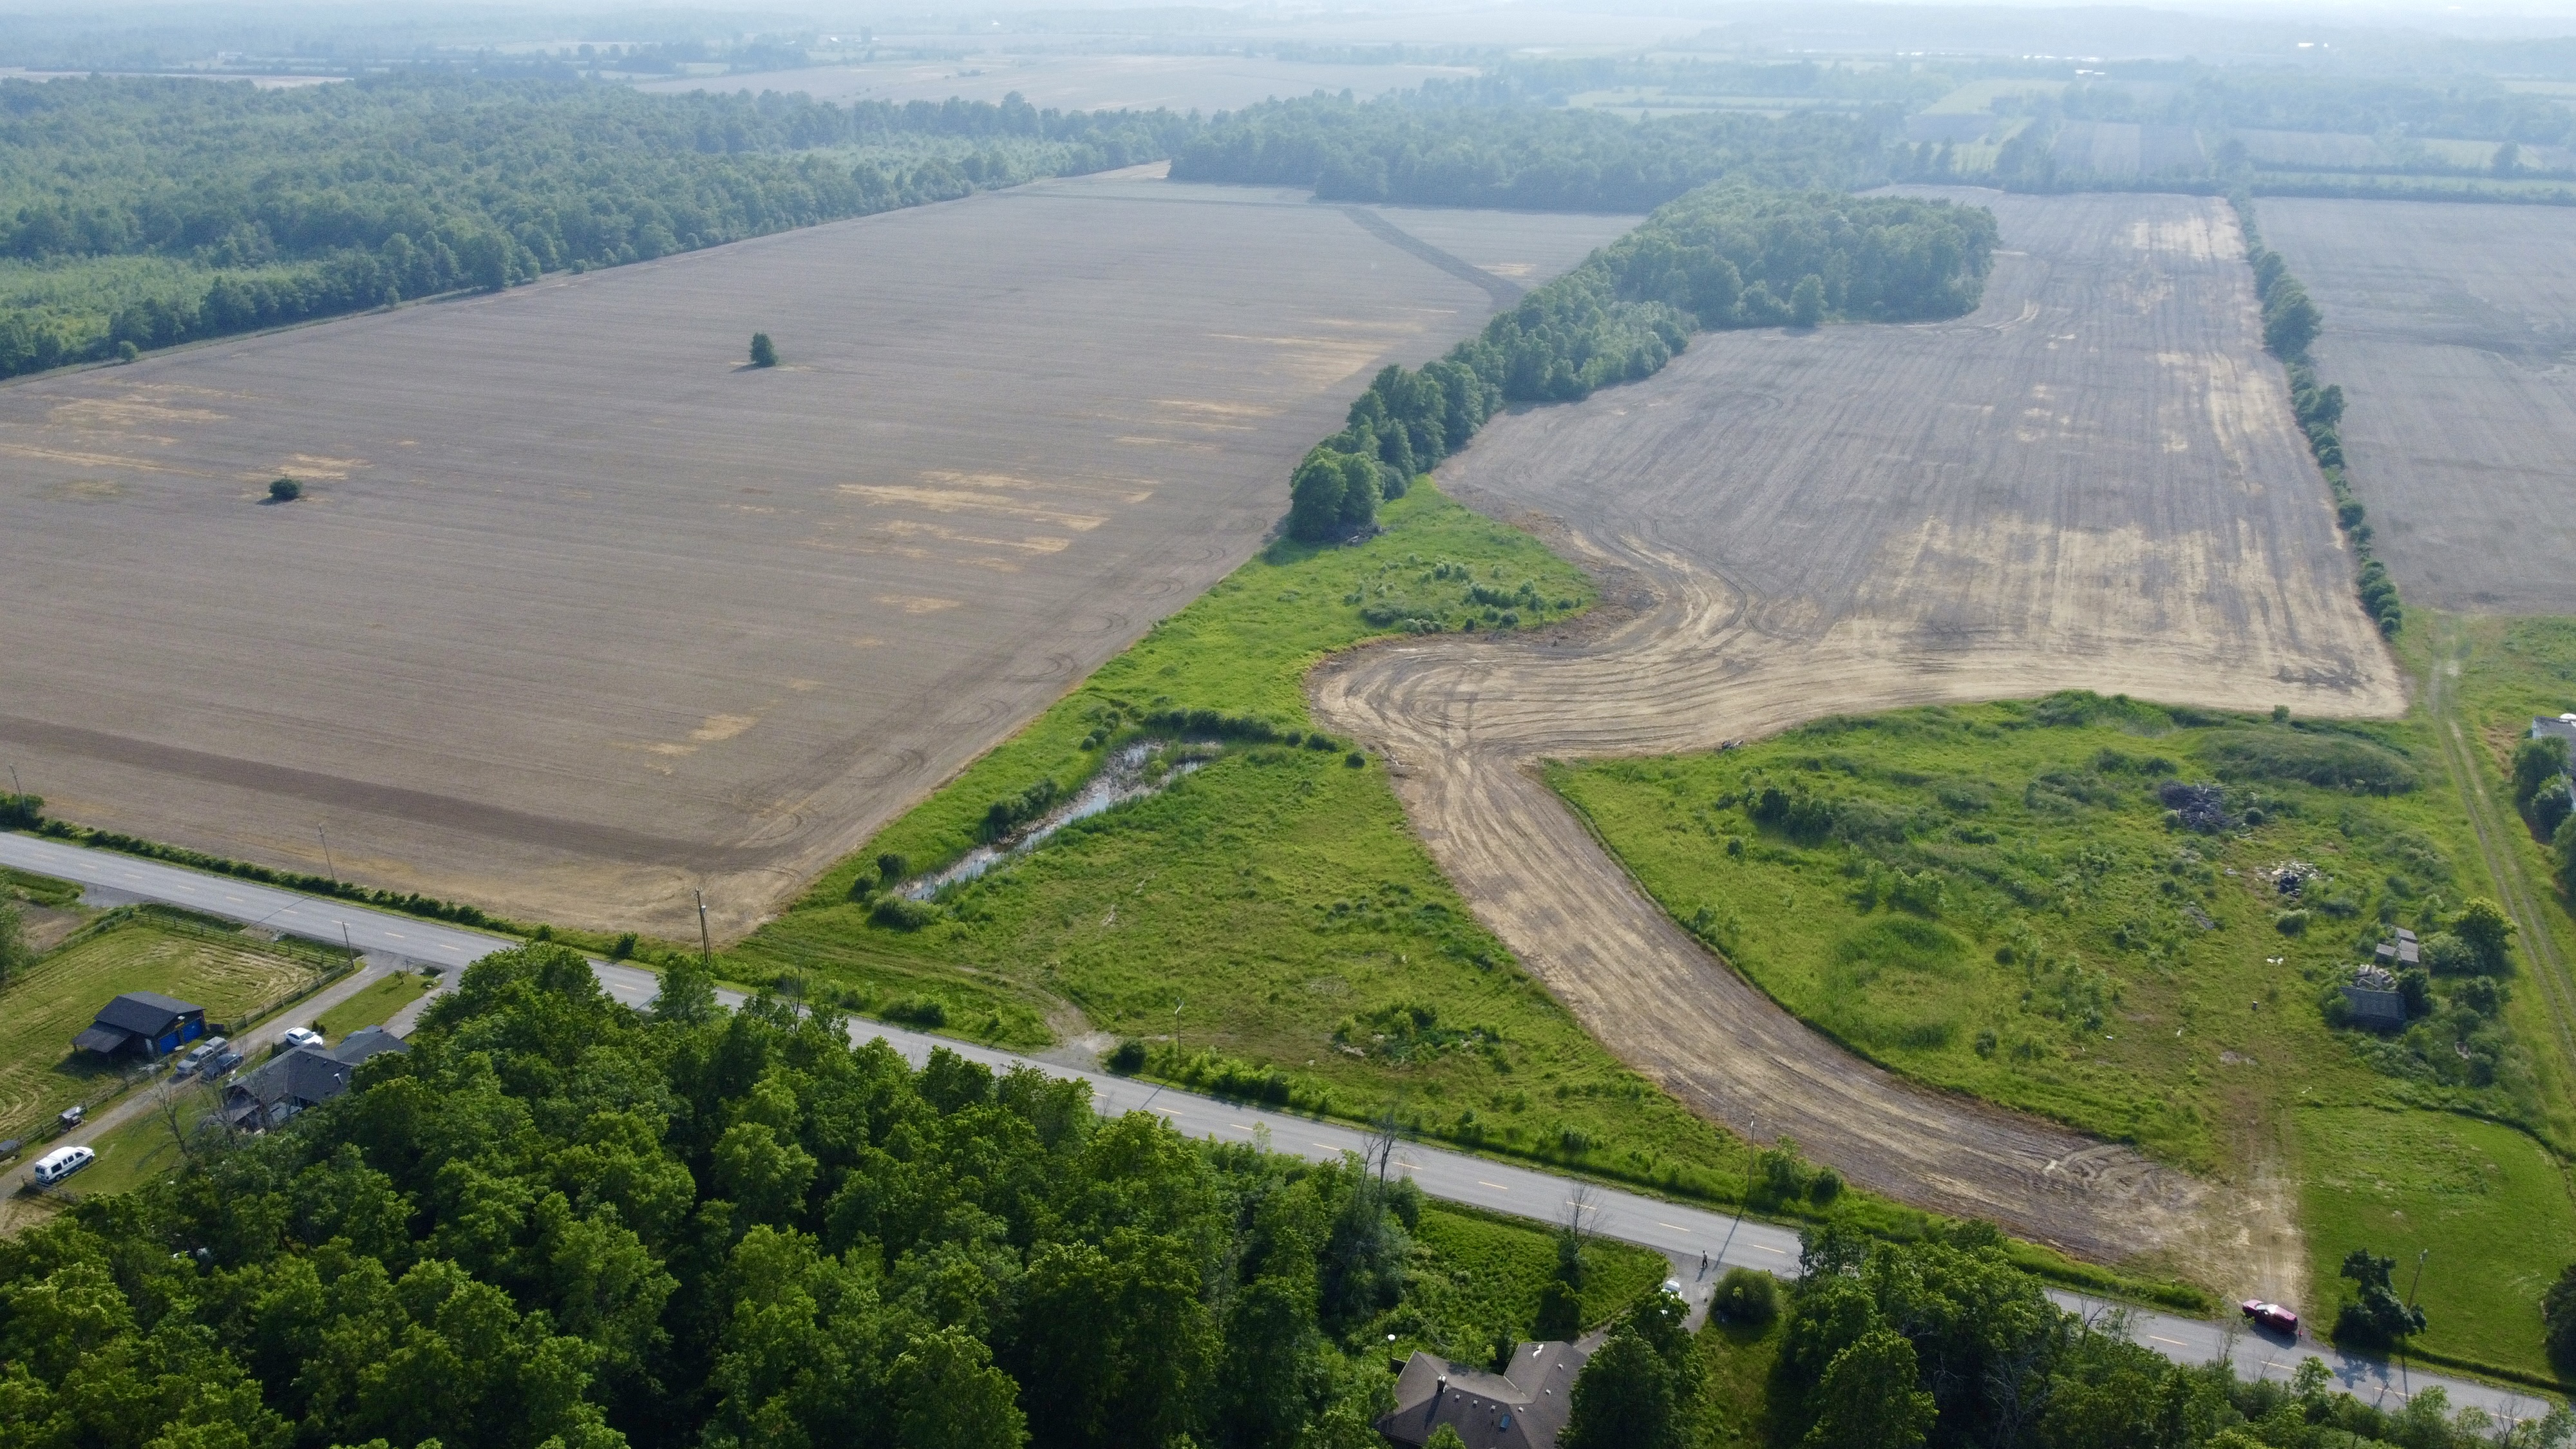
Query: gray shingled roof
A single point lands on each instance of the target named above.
(1524, 1407)
(303, 1076)
(365, 1042)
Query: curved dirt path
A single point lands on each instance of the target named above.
(2090, 482)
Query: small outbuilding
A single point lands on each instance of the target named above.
(144, 1022)
(2376, 1003)
(2403, 952)
(1524, 1407)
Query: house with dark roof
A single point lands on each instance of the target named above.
(1523, 1407)
(304, 1077)
(142, 1021)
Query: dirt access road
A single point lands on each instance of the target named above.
(2092, 481)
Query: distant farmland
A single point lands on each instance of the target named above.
(2452, 329)
(577, 613)
(1079, 82)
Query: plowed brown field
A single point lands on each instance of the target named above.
(2452, 329)
(2093, 481)
(578, 613)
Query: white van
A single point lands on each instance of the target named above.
(62, 1162)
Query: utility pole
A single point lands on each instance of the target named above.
(330, 864)
(706, 948)
(352, 946)
(2419, 1277)
(14, 787)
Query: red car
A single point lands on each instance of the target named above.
(2272, 1316)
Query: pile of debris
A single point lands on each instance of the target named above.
(2199, 807)
(2376, 1003)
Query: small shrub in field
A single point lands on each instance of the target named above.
(764, 353)
(284, 490)
(926, 1011)
(902, 914)
(624, 948)
(1747, 1296)
(1128, 1059)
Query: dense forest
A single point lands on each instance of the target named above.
(1403, 150)
(2467, 107)
(559, 1223)
(1724, 256)
(141, 212)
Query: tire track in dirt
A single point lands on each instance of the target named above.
(1791, 527)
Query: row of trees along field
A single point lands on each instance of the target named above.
(1724, 256)
(138, 212)
(2467, 107)
(559, 1223)
(1430, 149)
(2291, 322)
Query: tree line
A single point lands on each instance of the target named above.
(1728, 255)
(285, 204)
(1941, 1342)
(2291, 322)
(1431, 150)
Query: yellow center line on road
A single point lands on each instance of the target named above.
(1782, 1252)
(1496, 1186)
(1328, 1146)
(2176, 1342)
(1676, 1227)
(1239, 1127)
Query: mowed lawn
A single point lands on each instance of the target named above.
(2488, 1202)
(373, 1006)
(53, 1002)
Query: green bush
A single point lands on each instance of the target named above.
(1127, 1059)
(284, 490)
(1747, 1296)
(902, 913)
(764, 353)
(922, 1011)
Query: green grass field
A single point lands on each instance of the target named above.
(2490, 1203)
(373, 1006)
(1990, 899)
(1270, 913)
(44, 1009)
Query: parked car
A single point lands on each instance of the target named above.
(2271, 1316)
(224, 1061)
(299, 1036)
(195, 1060)
(70, 1117)
(60, 1163)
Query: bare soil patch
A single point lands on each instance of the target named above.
(2094, 481)
(577, 614)
(2452, 329)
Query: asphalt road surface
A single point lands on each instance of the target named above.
(1681, 1233)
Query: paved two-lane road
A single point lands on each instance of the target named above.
(1682, 1233)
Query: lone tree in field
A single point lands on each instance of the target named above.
(284, 490)
(764, 353)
